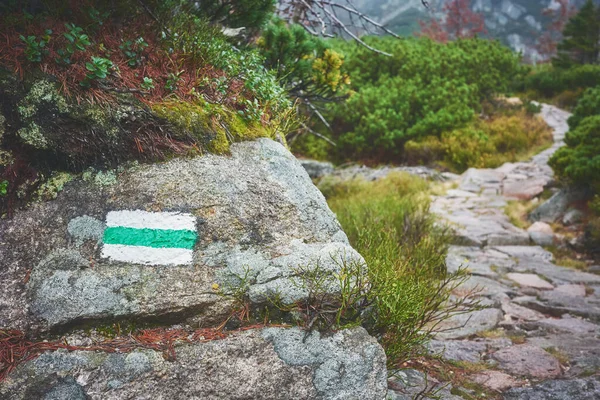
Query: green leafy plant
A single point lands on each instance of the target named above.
(173, 81)
(147, 83)
(35, 49)
(133, 50)
(76, 41)
(3, 188)
(98, 69)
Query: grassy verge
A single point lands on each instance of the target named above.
(389, 223)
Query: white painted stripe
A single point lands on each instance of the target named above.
(151, 220)
(147, 255)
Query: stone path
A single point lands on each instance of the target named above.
(544, 318)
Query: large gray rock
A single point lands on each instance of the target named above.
(258, 219)
(554, 208)
(272, 363)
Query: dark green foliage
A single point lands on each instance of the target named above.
(579, 161)
(305, 65)
(425, 88)
(581, 43)
(35, 49)
(133, 49)
(76, 41)
(587, 106)
(236, 13)
(553, 81)
(98, 70)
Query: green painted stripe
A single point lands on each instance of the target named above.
(158, 238)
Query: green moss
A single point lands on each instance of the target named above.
(43, 99)
(50, 189)
(100, 117)
(2, 128)
(100, 178)
(214, 128)
(33, 136)
(6, 158)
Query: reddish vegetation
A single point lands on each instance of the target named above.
(548, 41)
(156, 63)
(459, 22)
(15, 348)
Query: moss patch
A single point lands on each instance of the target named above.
(213, 127)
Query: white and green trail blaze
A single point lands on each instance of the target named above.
(152, 238)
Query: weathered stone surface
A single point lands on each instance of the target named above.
(317, 169)
(571, 290)
(526, 253)
(373, 174)
(553, 208)
(483, 262)
(572, 216)
(527, 360)
(458, 350)
(572, 325)
(464, 325)
(273, 363)
(495, 380)
(541, 233)
(559, 303)
(258, 216)
(576, 389)
(515, 312)
(524, 189)
(474, 180)
(409, 384)
(529, 280)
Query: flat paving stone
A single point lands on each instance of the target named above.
(496, 380)
(465, 325)
(572, 325)
(528, 361)
(458, 350)
(571, 290)
(529, 280)
(576, 389)
(515, 312)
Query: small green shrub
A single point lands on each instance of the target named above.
(133, 50)
(98, 69)
(579, 161)
(35, 49)
(76, 41)
(567, 83)
(587, 106)
(483, 143)
(425, 88)
(3, 188)
(147, 83)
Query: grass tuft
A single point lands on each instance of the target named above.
(389, 223)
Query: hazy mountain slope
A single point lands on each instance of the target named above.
(515, 22)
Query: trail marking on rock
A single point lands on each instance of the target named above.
(151, 238)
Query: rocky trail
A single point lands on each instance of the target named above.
(540, 336)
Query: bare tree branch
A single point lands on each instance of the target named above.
(317, 134)
(321, 18)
